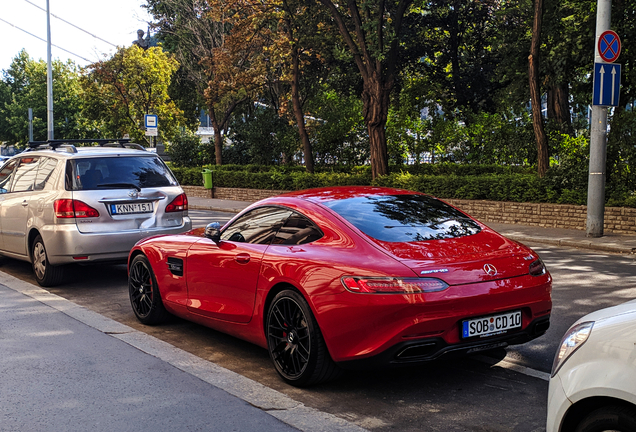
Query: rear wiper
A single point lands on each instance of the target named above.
(119, 186)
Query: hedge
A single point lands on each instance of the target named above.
(506, 185)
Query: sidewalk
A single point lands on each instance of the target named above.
(66, 368)
(609, 243)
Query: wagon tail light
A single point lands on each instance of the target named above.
(178, 204)
(537, 268)
(381, 285)
(69, 208)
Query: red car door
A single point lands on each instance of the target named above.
(222, 278)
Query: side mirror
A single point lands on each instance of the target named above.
(213, 232)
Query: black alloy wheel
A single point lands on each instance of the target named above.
(144, 292)
(295, 343)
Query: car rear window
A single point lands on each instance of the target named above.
(119, 172)
(404, 218)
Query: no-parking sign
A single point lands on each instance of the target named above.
(609, 46)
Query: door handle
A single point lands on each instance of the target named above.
(242, 258)
(25, 203)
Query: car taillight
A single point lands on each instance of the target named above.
(68, 208)
(180, 203)
(537, 268)
(382, 285)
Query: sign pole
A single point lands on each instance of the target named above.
(598, 140)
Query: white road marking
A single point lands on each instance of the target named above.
(506, 364)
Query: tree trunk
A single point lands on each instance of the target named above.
(559, 107)
(298, 113)
(218, 136)
(375, 98)
(543, 159)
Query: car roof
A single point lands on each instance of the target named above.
(68, 149)
(345, 192)
(82, 152)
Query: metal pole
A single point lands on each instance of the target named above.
(598, 140)
(49, 76)
(30, 124)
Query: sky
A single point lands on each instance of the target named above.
(114, 21)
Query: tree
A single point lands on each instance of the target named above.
(453, 49)
(372, 32)
(23, 86)
(187, 31)
(120, 91)
(543, 159)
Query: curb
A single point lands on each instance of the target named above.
(213, 208)
(270, 401)
(577, 244)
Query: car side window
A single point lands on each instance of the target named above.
(297, 230)
(45, 171)
(25, 174)
(259, 226)
(6, 175)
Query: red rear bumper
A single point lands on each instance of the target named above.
(407, 328)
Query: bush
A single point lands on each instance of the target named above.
(507, 185)
(185, 149)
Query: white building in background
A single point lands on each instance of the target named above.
(205, 130)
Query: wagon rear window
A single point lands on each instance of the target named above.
(118, 172)
(404, 218)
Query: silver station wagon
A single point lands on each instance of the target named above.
(62, 204)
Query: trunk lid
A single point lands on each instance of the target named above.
(485, 256)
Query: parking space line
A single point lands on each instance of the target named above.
(513, 366)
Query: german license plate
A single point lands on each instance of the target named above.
(491, 325)
(118, 209)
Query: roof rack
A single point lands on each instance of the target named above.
(70, 144)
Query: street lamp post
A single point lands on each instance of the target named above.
(49, 76)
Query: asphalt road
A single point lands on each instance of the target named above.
(481, 393)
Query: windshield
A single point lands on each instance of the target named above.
(404, 218)
(122, 172)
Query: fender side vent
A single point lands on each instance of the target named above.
(175, 265)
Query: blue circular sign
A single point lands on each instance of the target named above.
(609, 46)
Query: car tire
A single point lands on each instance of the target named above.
(612, 418)
(295, 342)
(143, 291)
(46, 275)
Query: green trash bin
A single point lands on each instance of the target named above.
(207, 179)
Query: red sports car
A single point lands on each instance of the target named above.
(347, 277)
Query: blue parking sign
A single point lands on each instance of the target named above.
(607, 84)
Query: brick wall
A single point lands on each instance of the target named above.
(235, 194)
(620, 220)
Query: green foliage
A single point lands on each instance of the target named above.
(260, 136)
(476, 182)
(186, 150)
(134, 82)
(337, 129)
(23, 86)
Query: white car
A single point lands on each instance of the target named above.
(593, 384)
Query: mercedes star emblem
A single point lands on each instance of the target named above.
(490, 270)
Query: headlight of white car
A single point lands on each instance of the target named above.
(573, 340)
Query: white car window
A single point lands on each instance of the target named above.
(6, 175)
(25, 174)
(45, 170)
